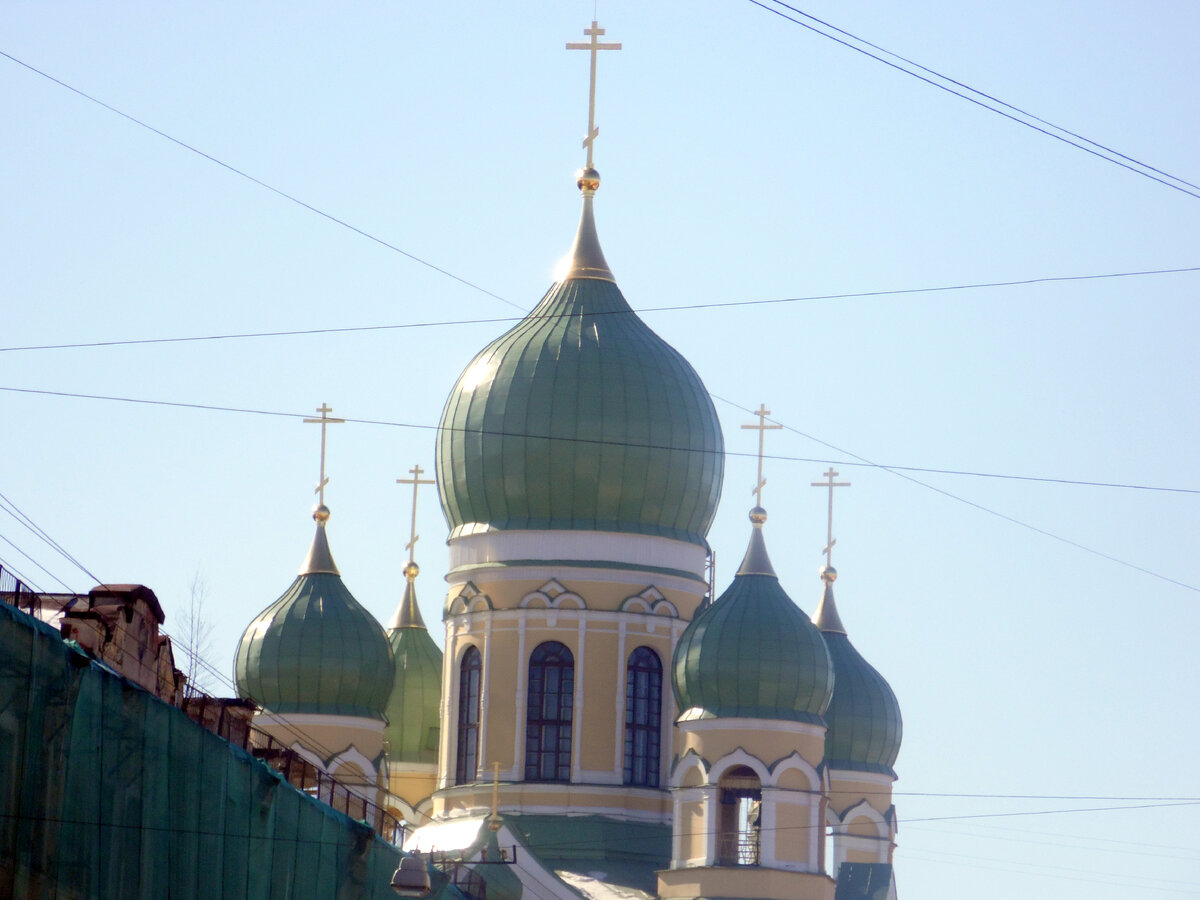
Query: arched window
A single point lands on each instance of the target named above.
(643, 717)
(467, 761)
(740, 798)
(548, 713)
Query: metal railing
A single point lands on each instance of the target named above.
(15, 592)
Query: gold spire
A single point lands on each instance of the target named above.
(826, 617)
(762, 428)
(756, 561)
(319, 559)
(594, 46)
(586, 259)
(408, 614)
(829, 540)
(324, 421)
(416, 481)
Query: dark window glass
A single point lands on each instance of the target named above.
(548, 713)
(469, 673)
(643, 717)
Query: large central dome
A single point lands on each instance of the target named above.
(580, 418)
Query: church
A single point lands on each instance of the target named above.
(603, 722)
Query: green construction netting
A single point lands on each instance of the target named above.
(106, 793)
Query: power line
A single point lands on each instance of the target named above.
(861, 460)
(1058, 137)
(979, 506)
(36, 563)
(258, 181)
(20, 516)
(504, 320)
(984, 94)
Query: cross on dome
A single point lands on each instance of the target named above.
(831, 484)
(594, 46)
(324, 409)
(762, 428)
(416, 481)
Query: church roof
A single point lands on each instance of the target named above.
(413, 706)
(752, 653)
(581, 418)
(864, 721)
(316, 649)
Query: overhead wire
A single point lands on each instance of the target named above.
(258, 181)
(688, 307)
(1181, 186)
(36, 563)
(861, 460)
(15, 512)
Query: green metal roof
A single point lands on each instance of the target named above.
(412, 708)
(864, 721)
(580, 418)
(316, 649)
(752, 653)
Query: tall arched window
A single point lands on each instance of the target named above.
(740, 800)
(467, 761)
(548, 713)
(643, 717)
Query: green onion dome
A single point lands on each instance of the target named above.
(316, 649)
(580, 418)
(752, 653)
(413, 707)
(865, 727)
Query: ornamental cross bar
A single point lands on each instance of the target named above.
(762, 428)
(831, 484)
(416, 481)
(595, 46)
(324, 421)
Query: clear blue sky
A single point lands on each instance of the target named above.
(743, 158)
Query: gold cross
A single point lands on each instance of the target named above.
(324, 410)
(415, 481)
(594, 45)
(831, 484)
(762, 428)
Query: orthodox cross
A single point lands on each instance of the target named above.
(831, 484)
(595, 46)
(762, 428)
(324, 421)
(416, 481)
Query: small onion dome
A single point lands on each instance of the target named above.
(316, 649)
(752, 653)
(864, 718)
(580, 418)
(412, 709)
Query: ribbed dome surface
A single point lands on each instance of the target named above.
(752, 654)
(316, 650)
(413, 707)
(865, 727)
(580, 418)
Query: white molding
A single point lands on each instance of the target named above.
(485, 692)
(797, 763)
(738, 723)
(865, 777)
(299, 720)
(355, 756)
(522, 723)
(577, 713)
(685, 764)
(554, 545)
(622, 699)
(738, 757)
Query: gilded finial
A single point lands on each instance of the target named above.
(828, 574)
(416, 481)
(411, 571)
(594, 46)
(758, 516)
(829, 540)
(324, 409)
(321, 514)
(762, 428)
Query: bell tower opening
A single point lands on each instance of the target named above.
(740, 795)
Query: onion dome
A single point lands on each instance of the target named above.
(752, 652)
(412, 708)
(316, 649)
(581, 418)
(864, 718)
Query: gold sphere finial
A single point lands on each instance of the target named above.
(758, 515)
(828, 574)
(321, 514)
(411, 571)
(588, 180)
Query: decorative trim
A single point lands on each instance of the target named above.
(299, 720)
(738, 757)
(539, 547)
(690, 760)
(796, 762)
(740, 723)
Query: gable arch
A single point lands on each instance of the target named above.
(795, 773)
(738, 757)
